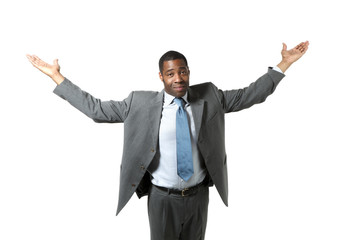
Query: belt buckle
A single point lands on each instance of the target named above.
(183, 192)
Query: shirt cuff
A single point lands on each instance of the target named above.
(276, 68)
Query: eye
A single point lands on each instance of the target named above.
(170, 74)
(184, 72)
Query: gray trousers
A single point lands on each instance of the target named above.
(173, 217)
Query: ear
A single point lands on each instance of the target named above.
(161, 77)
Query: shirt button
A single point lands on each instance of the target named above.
(152, 150)
(142, 167)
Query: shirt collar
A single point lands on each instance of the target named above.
(168, 99)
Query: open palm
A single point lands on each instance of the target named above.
(294, 54)
(44, 67)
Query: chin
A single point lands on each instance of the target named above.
(181, 94)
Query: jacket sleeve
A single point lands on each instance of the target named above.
(256, 92)
(94, 108)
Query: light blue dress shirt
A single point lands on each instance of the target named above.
(164, 172)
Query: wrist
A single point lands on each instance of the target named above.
(284, 65)
(57, 78)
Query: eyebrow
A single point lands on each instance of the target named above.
(174, 69)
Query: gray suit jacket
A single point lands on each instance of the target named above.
(141, 113)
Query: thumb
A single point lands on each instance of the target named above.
(284, 47)
(55, 62)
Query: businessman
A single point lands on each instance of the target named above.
(174, 143)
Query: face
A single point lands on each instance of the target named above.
(175, 77)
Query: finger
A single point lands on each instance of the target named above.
(284, 47)
(305, 46)
(303, 49)
(37, 59)
(299, 46)
(31, 59)
(55, 62)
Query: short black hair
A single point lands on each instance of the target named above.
(170, 55)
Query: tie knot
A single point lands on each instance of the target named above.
(179, 102)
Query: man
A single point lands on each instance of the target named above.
(174, 144)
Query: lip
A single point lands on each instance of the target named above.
(180, 88)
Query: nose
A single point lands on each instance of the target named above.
(178, 78)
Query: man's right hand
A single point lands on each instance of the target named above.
(52, 71)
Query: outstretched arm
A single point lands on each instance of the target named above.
(52, 71)
(99, 111)
(258, 91)
(292, 55)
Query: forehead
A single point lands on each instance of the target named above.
(174, 64)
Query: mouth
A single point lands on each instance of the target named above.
(180, 88)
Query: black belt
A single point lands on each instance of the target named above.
(186, 191)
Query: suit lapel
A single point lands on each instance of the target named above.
(154, 114)
(197, 108)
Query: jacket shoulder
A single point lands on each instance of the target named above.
(203, 86)
(205, 90)
(139, 99)
(145, 94)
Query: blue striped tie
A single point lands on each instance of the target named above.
(185, 167)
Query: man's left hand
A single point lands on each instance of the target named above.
(292, 55)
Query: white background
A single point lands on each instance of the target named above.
(293, 160)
